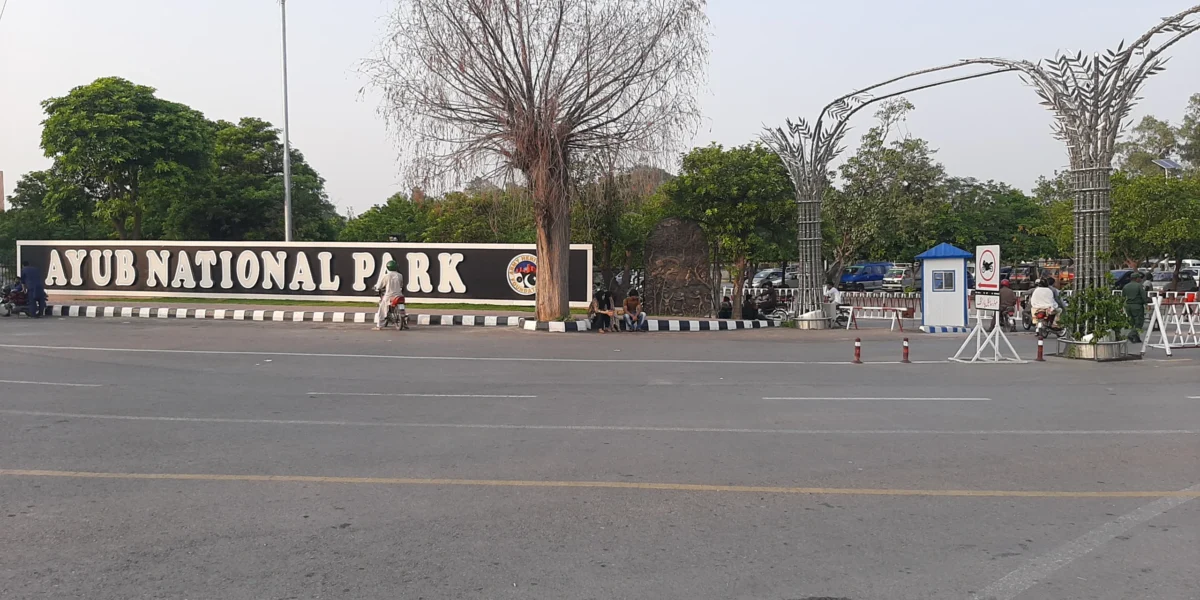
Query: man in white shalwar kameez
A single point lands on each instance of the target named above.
(391, 283)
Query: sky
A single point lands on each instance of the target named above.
(771, 60)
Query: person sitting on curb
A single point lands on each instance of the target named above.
(601, 311)
(635, 319)
(726, 311)
(391, 283)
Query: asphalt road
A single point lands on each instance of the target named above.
(164, 459)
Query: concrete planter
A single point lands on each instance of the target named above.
(1099, 351)
(812, 323)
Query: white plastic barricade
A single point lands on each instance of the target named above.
(894, 314)
(1176, 322)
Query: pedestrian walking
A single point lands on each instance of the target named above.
(1136, 300)
(35, 289)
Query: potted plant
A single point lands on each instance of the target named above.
(1095, 320)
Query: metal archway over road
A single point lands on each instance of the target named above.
(1090, 96)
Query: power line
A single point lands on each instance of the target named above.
(2, 7)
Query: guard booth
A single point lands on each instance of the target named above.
(944, 289)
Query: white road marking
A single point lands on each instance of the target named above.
(1017, 582)
(13, 381)
(33, 413)
(465, 358)
(865, 399)
(416, 395)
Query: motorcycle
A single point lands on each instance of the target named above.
(1043, 323)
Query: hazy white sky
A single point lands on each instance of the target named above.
(771, 59)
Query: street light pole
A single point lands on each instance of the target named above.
(287, 143)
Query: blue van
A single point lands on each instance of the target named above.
(863, 277)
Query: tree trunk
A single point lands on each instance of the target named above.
(548, 181)
(739, 282)
(717, 277)
(606, 267)
(1178, 268)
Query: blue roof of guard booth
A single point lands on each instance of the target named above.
(944, 250)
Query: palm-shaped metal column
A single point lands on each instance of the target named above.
(1091, 97)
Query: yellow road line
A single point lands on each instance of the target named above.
(625, 485)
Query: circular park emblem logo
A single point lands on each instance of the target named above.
(522, 274)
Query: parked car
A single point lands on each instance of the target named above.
(899, 279)
(864, 277)
(1163, 281)
(1190, 264)
(776, 278)
(1023, 276)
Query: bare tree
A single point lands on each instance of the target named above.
(531, 85)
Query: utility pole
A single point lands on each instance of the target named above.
(287, 143)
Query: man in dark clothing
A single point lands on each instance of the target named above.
(1008, 301)
(1136, 300)
(31, 278)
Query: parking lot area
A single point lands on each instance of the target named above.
(146, 458)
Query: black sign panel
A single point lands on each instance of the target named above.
(493, 273)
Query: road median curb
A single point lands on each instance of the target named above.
(277, 316)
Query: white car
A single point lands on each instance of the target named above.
(899, 279)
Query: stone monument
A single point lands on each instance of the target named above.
(678, 282)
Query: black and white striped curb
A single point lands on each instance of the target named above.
(682, 325)
(222, 314)
(653, 325)
(555, 326)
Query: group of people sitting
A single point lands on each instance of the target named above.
(603, 313)
(755, 307)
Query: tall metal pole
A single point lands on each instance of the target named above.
(287, 143)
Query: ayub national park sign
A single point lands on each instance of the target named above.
(472, 273)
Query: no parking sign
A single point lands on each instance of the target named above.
(987, 277)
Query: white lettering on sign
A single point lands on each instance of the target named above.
(327, 284)
(418, 273)
(75, 258)
(226, 269)
(364, 266)
(273, 269)
(448, 277)
(247, 269)
(55, 274)
(183, 272)
(101, 266)
(156, 268)
(126, 274)
(302, 275)
(206, 260)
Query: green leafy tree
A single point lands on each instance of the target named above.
(614, 210)
(245, 193)
(120, 144)
(1151, 139)
(30, 217)
(891, 192)
(1154, 216)
(741, 197)
(1189, 135)
(1057, 223)
(398, 216)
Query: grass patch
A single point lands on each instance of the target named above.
(417, 308)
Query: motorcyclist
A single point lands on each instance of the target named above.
(1045, 299)
(391, 283)
(1008, 299)
(832, 294)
